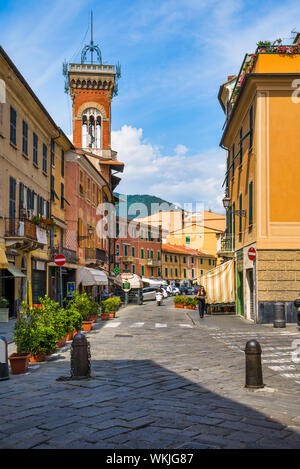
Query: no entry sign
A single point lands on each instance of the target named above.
(252, 254)
(60, 260)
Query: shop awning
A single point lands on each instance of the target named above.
(133, 279)
(152, 282)
(14, 271)
(219, 283)
(89, 277)
(3, 259)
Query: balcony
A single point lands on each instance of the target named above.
(127, 259)
(95, 255)
(69, 254)
(225, 246)
(22, 234)
(21, 228)
(153, 263)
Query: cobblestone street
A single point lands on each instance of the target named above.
(160, 379)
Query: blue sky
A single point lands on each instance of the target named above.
(166, 121)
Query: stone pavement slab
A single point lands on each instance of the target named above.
(160, 388)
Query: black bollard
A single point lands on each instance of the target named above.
(80, 358)
(254, 378)
(4, 374)
(279, 316)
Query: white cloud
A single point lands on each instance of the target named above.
(181, 149)
(181, 178)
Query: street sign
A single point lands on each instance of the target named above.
(117, 270)
(70, 289)
(60, 260)
(126, 286)
(252, 254)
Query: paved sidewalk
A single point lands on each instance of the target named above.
(7, 329)
(159, 381)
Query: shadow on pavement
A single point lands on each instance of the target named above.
(134, 404)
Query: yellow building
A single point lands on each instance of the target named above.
(26, 133)
(262, 180)
(199, 232)
(180, 263)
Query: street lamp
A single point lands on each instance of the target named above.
(226, 202)
(90, 232)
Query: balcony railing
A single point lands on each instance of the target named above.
(153, 263)
(95, 254)
(225, 244)
(16, 227)
(69, 254)
(127, 259)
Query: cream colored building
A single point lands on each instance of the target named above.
(26, 133)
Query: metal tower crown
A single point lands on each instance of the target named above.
(91, 47)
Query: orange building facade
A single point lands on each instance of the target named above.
(92, 165)
(261, 182)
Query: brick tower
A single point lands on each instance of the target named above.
(92, 86)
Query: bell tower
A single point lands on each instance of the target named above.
(92, 86)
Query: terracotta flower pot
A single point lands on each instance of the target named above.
(104, 316)
(191, 306)
(40, 357)
(112, 314)
(61, 343)
(93, 318)
(87, 325)
(179, 305)
(19, 363)
(74, 333)
(69, 336)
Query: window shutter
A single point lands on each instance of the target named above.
(251, 203)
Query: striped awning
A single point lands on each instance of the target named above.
(3, 259)
(219, 284)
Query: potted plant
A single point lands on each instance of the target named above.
(42, 342)
(191, 303)
(179, 301)
(109, 307)
(4, 309)
(93, 312)
(84, 305)
(19, 360)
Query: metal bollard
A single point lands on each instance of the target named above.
(4, 373)
(254, 378)
(279, 318)
(80, 358)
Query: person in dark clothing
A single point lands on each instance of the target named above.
(201, 301)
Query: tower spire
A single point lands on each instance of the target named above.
(91, 47)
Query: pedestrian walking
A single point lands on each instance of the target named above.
(201, 295)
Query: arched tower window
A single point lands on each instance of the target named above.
(91, 128)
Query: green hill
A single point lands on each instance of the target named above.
(147, 200)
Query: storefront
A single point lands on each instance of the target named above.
(38, 279)
(68, 281)
(11, 282)
(92, 281)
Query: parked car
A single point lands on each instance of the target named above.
(183, 290)
(149, 293)
(175, 291)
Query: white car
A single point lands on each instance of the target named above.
(175, 291)
(165, 293)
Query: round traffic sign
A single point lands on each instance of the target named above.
(60, 260)
(252, 254)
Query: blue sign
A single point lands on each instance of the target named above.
(70, 289)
